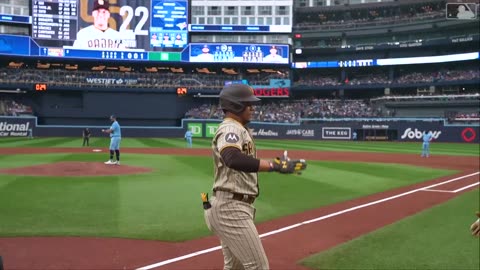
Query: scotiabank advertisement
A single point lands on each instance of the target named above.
(440, 133)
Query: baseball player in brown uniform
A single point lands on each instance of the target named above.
(99, 35)
(230, 213)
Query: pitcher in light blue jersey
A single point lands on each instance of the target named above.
(427, 137)
(188, 138)
(115, 138)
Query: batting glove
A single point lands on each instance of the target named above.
(288, 166)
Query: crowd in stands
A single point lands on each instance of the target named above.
(291, 111)
(318, 80)
(10, 107)
(382, 78)
(371, 16)
(463, 117)
(165, 80)
(204, 111)
(367, 79)
(136, 79)
(440, 76)
(295, 110)
(396, 98)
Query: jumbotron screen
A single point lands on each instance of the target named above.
(114, 25)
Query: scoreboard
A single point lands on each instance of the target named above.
(138, 25)
(55, 19)
(169, 24)
(132, 30)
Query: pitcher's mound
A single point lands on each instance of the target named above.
(72, 168)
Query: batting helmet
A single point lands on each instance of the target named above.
(234, 97)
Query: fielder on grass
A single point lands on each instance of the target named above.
(188, 138)
(115, 138)
(427, 138)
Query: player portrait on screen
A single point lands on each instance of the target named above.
(179, 41)
(167, 40)
(204, 56)
(274, 56)
(99, 35)
(155, 40)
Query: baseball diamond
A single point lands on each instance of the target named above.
(463, 170)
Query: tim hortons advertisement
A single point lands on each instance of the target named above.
(264, 132)
(15, 127)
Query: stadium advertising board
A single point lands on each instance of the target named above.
(196, 129)
(469, 134)
(210, 129)
(389, 61)
(16, 127)
(112, 81)
(275, 88)
(415, 134)
(337, 133)
(19, 126)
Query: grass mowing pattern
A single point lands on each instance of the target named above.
(165, 204)
(385, 147)
(328, 182)
(437, 238)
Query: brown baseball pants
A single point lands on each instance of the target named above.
(232, 222)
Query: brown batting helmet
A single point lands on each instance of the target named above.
(234, 97)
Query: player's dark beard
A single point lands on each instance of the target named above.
(245, 119)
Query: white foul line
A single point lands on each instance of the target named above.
(451, 191)
(465, 187)
(438, 190)
(197, 253)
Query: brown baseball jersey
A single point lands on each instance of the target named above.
(93, 38)
(231, 133)
(232, 220)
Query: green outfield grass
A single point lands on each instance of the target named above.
(437, 238)
(386, 147)
(165, 204)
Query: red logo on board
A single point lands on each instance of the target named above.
(469, 134)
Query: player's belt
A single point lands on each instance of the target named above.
(243, 197)
(236, 196)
